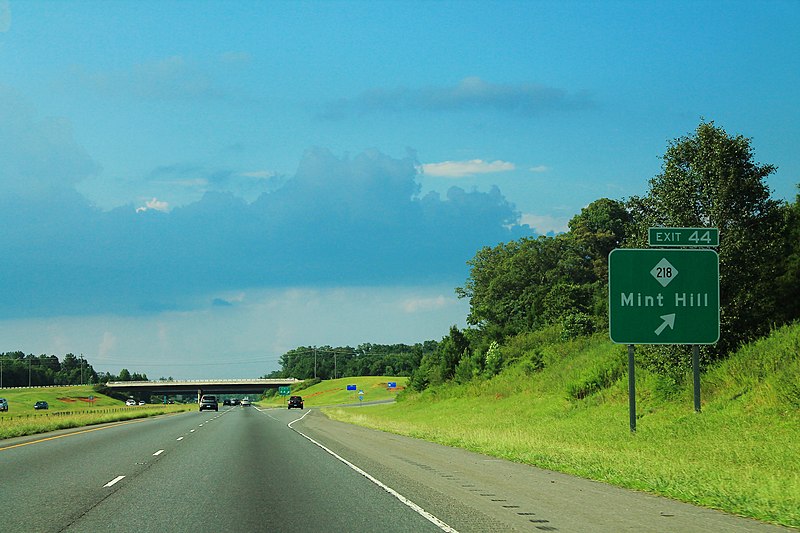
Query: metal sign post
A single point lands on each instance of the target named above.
(631, 388)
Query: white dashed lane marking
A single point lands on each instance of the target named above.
(114, 481)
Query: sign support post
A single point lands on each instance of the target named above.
(696, 373)
(632, 388)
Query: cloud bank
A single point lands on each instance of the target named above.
(339, 221)
(471, 93)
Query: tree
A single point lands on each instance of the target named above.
(527, 284)
(598, 229)
(710, 179)
(788, 283)
(440, 365)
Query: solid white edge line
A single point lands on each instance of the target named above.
(419, 510)
(114, 481)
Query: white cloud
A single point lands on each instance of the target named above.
(527, 99)
(461, 169)
(544, 224)
(260, 174)
(107, 345)
(415, 305)
(154, 204)
(171, 78)
(539, 169)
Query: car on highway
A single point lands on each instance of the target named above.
(226, 401)
(142, 402)
(209, 403)
(41, 405)
(3, 404)
(130, 402)
(245, 402)
(295, 401)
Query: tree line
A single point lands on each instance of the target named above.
(327, 362)
(708, 179)
(18, 369)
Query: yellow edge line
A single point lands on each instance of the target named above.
(73, 433)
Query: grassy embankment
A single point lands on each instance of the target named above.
(741, 454)
(334, 391)
(69, 407)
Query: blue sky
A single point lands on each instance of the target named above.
(193, 188)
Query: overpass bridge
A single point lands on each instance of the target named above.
(201, 386)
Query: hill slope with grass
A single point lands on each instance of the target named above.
(564, 406)
(334, 391)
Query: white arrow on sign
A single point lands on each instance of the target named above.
(669, 320)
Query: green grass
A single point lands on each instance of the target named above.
(334, 391)
(741, 454)
(69, 407)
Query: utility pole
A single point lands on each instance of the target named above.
(315, 362)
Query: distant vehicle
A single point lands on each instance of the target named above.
(295, 401)
(245, 402)
(226, 401)
(236, 401)
(131, 401)
(3, 404)
(142, 402)
(41, 405)
(208, 403)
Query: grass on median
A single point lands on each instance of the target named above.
(69, 407)
(739, 455)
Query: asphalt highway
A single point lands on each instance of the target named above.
(244, 469)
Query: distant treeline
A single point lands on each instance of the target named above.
(18, 369)
(327, 362)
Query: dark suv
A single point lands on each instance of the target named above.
(295, 401)
(209, 402)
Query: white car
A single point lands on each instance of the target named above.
(130, 402)
(245, 402)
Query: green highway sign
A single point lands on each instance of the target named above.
(284, 391)
(683, 237)
(663, 296)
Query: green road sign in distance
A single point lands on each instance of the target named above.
(663, 296)
(683, 237)
(284, 391)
